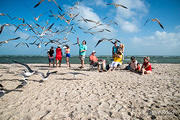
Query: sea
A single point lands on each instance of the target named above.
(7, 59)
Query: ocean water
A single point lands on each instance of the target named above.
(75, 59)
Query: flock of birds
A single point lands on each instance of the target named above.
(44, 34)
(26, 74)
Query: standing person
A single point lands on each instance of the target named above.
(114, 49)
(50, 56)
(67, 51)
(146, 67)
(58, 56)
(82, 51)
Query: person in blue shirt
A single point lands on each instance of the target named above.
(114, 49)
(82, 51)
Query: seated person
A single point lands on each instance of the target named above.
(146, 67)
(118, 59)
(95, 62)
(132, 65)
(138, 69)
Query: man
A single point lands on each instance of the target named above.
(95, 62)
(50, 56)
(114, 49)
(82, 51)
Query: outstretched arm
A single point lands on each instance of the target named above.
(78, 40)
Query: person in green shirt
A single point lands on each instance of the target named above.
(82, 51)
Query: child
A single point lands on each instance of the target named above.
(67, 50)
(138, 69)
(132, 65)
(146, 67)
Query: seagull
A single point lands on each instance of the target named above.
(117, 5)
(6, 41)
(49, 1)
(45, 77)
(2, 27)
(37, 18)
(28, 73)
(22, 43)
(103, 39)
(154, 20)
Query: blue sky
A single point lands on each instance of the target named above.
(138, 39)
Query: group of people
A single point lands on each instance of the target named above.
(117, 55)
(59, 55)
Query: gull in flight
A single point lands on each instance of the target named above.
(28, 73)
(117, 5)
(105, 39)
(6, 41)
(45, 76)
(154, 20)
(49, 1)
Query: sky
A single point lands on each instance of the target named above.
(139, 39)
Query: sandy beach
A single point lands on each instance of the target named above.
(74, 94)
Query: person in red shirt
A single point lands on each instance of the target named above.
(95, 62)
(146, 67)
(58, 56)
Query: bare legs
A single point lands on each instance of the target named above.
(59, 63)
(67, 62)
(145, 72)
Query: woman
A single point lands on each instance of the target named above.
(67, 51)
(58, 56)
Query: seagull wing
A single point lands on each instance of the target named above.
(57, 4)
(147, 21)
(38, 3)
(99, 42)
(29, 69)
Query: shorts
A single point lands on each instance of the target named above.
(82, 57)
(51, 59)
(58, 57)
(68, 55)
(115, 64)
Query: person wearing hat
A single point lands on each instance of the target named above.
(58, 55)
(146, 67)
(95, 62)
(50, 56)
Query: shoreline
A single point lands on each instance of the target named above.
(82, 94)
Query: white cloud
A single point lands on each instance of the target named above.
(161, 39)
(129, 18)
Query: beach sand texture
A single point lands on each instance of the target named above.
(74, 94)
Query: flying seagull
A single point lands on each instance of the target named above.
(6, 41)
(28, 73)
(110, 40)
(154, 20)
(45, 77)
(117, 5)
(49, 1)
